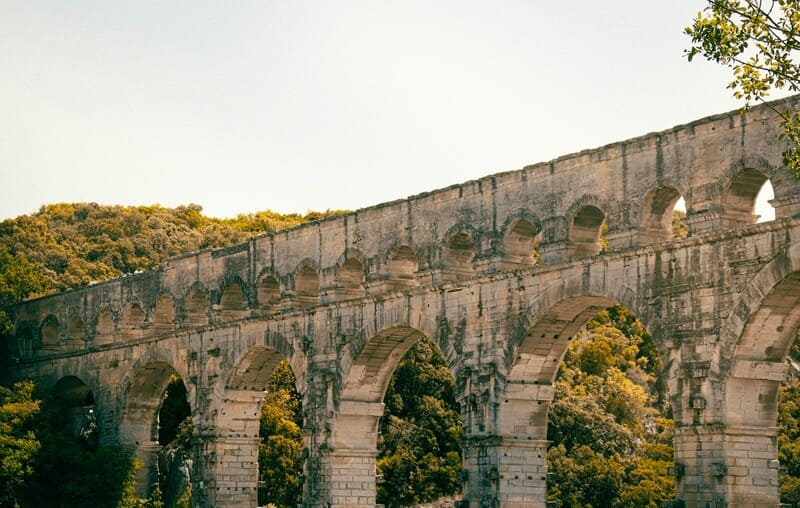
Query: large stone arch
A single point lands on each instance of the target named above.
(574, 292)
(748, 304)
(232, 424)
(253, 339)
(359, 407)
(76, 402)
(507, 453)
(142, 395)
(755, 341)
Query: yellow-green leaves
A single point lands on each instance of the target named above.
(758, 41)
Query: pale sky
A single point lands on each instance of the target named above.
(296, 105)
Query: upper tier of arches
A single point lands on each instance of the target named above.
(617, 197)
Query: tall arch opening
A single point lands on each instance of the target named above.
(520, 242)
(75, 401)
(262, 405)
(398, 384)
(402, 268)
(740, 196)
(585, 232)
(73, 466)
(762, 397)
(156, 413)
(350, 280)
(419, 449)
(175, 432)
(585, 394)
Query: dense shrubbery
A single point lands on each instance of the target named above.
(789, 437)
(420, 432)
(72, 245)
(280, 460)
(611, 444)
(18, 441)
(68, 469)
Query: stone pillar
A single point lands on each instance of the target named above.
(225, 471)
(700, 466)
(348, 466)
(726, 436)
(350, 477)
(751, 457)
(507, 466)
(726, 466)
(751, 436)
(504, 472)
(147, 474)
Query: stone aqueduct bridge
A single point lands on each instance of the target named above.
(344, 298)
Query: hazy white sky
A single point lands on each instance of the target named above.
(296, 105)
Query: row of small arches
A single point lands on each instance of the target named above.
(402, 270)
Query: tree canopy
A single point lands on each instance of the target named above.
(758, 40)
(419, 454)
(18, 442)
(609, 420)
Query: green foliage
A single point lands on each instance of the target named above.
(69, 473)
(185, 501)
(757, 40)
(789, 442)
(72, 245)
(18, 441)
(19, 278)
(610, 446)
(280, 461)
(419, 447)
(679, 228)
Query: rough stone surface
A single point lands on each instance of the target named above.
(343, 299)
